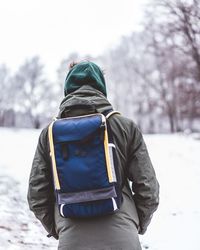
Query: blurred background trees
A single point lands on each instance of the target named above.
(6, 95)
(153, 75)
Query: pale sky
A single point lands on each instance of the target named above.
(53, 29)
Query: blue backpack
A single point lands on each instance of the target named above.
(85, 171)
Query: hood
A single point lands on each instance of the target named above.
(85, 73)
(86, 96)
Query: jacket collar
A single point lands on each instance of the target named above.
(86, 95)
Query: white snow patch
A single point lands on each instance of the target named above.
(175, 224)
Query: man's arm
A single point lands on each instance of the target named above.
(40, 192)
(144, 183)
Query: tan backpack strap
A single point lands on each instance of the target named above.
(112, 113)
(52, 154)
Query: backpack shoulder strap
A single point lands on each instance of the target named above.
(112, 113)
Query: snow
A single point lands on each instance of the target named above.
(19, 230)
(177, 164)
(174, 226)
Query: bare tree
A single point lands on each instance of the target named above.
(173, 41)
(7, 117)
(183, 24)
(186, 29)
(34, 94)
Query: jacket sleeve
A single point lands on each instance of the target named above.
(145, 186)
(40, 191)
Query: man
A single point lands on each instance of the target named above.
(85, 84)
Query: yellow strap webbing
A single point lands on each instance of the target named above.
(52, 153)
(107, 155)
(106, 147)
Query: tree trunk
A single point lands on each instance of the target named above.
(36, 123)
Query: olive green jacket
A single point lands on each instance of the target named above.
(139, 202)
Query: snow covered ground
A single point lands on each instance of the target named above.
(175, 226)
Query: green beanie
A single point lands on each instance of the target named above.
(85, 73)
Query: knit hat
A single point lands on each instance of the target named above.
(85, 73)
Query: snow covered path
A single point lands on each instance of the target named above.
(175, 225)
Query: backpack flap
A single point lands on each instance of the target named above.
(83, 166)
(76, 128)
